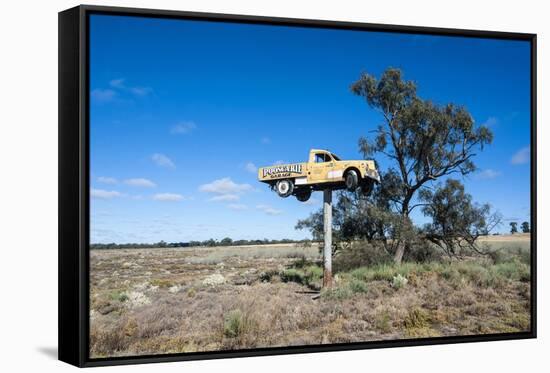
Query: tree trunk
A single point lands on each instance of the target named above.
(398, 257)
(402, 247)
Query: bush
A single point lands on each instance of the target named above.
(292, 275)
(399, 281)
(162, 283)
(105, 342)
(267, 276)
(416, 319)
(376, 273)
(306, 276)
(313, 273)
(338, 293)
(487, 275)
(357, 286)
(234, 324)
(383, 322)
(360, 254)
(118, 296)
(513, 271)
(422, 252)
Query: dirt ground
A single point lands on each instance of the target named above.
(153, 301)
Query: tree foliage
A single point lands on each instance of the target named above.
(357, 217)
(525, 227)
(423, 141)
(456, 221)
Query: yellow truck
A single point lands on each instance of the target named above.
(323, 170)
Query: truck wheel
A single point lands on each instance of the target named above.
(304, 195)
(352, 181)
(284, 188)
(367, 187)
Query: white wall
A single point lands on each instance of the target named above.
(28, 183)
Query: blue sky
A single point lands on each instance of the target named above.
(182, 113)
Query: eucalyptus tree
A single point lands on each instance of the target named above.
(422, 140)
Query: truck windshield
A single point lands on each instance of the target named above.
(335, 157)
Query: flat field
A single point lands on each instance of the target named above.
(171, 300)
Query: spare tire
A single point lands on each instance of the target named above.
(352, 180)
(303, 195)
(284, 188)
(366, 187)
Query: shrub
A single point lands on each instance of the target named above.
(213, 280)
(313, 273)
(510, 254)
(306, 276)
(234, 324)
(267, 276)
(450, 273)
(302, 262)
(416, 319)
(360, 254)
(380, 272)
(513, 271)
(118, 296)
(338, 293)
(358, 286)
(162, 283)
(422, 252)
(292, 275)
(104, 342)
(476, 273)
(399, 281)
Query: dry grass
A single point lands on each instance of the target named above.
(152, 301)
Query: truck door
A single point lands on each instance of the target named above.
(321, 166)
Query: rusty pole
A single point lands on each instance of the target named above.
(327, 233)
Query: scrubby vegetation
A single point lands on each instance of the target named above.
(162, 301)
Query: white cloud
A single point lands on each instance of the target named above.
(251, 167)
(265, 140)
(140, 182)
(183, 128)
(162, 160)
(225, 186)
(107, 180)
(488, 174)
(490, 122)
(521, 156)
(269, 210)
(225, 198)
(120, 85)
(168, 197)
(279, 162)
(117, 83)
(104, 194)
(103, 95)
(141, 91)
(237, 206)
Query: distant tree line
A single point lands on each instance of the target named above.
(524, 227)
(227, 241)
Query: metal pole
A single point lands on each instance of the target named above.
(327, 232)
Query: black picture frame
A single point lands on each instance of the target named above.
(74, 182)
